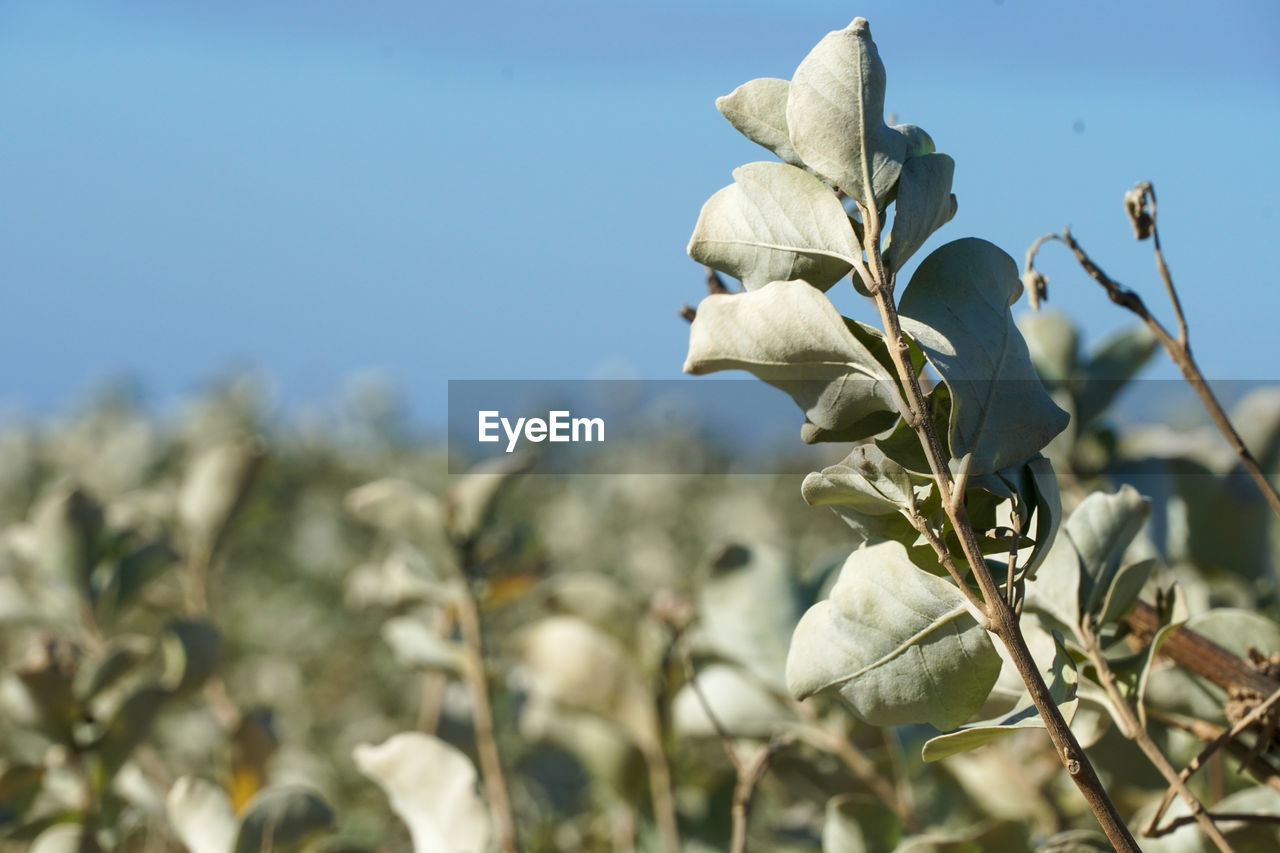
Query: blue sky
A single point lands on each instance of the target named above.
(422, 191)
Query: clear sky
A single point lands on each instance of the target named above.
(427, 191)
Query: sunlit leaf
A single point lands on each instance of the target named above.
(924, 205)
(758, 109)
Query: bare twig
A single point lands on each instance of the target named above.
(1133, 730)
(1179, 349)
(495, 784)
(1260, 769)
(1247, 720)
(1179, 822)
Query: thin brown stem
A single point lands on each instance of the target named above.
(1179, 351)
(1247, 720)
(1133, 730)
(664, 803)
(495, 784)
(1261, 770)
(749, 776)
(1002, 620)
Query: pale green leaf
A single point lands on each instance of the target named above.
(743, 706)
(897, 643)
(791, 336)
(1061, 677)
(775, 222)
(758, 109)
(1110, 367)
(747, 607)
(868, 490)
(924, 205)
(1126, 585)
(859, 824)
(835, 115)
(416, 646)
(956, 307)
(192, 651)
(432, 787)
(1053, 344)
(1100, 529)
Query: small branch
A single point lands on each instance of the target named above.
(749, 777)
(495, 784)
(1179, 349)
(1133, 730)
(1261, 770)
(1245, 722)
(1179, 822)
(722, 733)
(921, 524)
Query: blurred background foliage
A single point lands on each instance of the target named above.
(203, 616)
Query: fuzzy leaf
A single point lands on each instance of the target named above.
(957, 309)
(775, 222)
(925, 203)
(1060, 674)
(791, 336)
(1101, 529)
(898, 644)
(835, 115)
(758, 109)
(859, 824)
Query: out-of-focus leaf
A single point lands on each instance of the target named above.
(201, 815)
(898, 644)
(215, 485)
(1110, 368)
(1101, 529)
(469, 501)
(129, 727)
(858, 824)
(117, 658)
(791, 336)
(924, 205)
(192, 651)
(758, 109)
(65, 838)
(123, 580)
(575, 665)
(835, 115)
(68, 526)
(1126, 585)
(19, 785)
(1251, 837)
(432, 787)
(283, 819)
(403, 510)
(48, 672)
(1061, 678)
(416, 645)
(743, 707)
(748, 606)
(956, 307)
(1076, 841)
(1053, 344)
(775, 222)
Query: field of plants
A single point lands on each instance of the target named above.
(999, 617)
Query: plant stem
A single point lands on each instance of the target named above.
(495, 784)
(664, 804)
(1001, 619)
(1179, 350)
(1134, 731)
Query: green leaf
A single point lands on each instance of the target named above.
(758, 109)
(791, 336)
(68, 529)
(130, 574)
(1053, 344)
(1109, 369)
(1126, 585)
(835, 115)
(192, 651)
(47, 674)
(859, 824)
(775, 222)
(432, 787)
(282, 819)
(1101, 529)
(214, 488)
(129, 727)
(469, 502)
(957, 309)
(19, 786)
(903, 444)
(116, 659)
(1061, 678)
(925, 203)
(897, 643)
